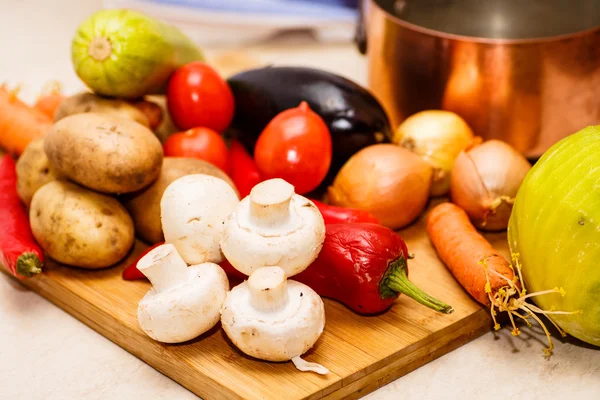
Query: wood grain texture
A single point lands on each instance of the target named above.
(362, 353)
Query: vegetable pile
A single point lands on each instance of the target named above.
(287, 181)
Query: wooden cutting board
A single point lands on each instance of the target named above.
(362, 353)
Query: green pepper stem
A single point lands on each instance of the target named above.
(28, 265)
(397, 281)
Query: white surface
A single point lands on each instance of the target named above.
(47, 354)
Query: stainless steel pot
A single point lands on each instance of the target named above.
(523, 71)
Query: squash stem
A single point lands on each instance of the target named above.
(100, 48)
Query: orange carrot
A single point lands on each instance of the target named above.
(481, 271)
(19, 123)
(48, 103)
(464, 251)
(50, 98)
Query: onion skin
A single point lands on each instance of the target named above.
(485, 181)
(555, 231)
(438, 137)
(389, 181)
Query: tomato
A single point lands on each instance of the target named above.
(295, 146)
(203, 143)
(198, 96)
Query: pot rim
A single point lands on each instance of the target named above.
(476, 39)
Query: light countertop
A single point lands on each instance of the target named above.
(47, 354)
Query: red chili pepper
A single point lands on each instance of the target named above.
(338, 215)
(242, 168)
(19, 252)
(363, 266)
(131, 273)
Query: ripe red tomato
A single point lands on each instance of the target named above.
(198, 96)
(295, 146)
(203, 143)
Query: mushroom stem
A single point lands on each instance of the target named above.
(270, 203)
(268, 289)
(164, 267)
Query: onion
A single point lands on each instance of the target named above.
(386, 180)
(485, 181)
(438, 137)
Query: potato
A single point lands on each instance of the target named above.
(33, 171)
(89, 102)
(144, 205)
(105, 153)
(78, 227)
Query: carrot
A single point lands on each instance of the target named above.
(481, 271)
(50, 99)
(463, 250)
(48, 103)
(19, 123)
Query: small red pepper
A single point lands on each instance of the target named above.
(363, 266)
(337, 215)
(242, 168)
(131, 273)
(19, 252)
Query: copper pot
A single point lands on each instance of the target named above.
(523, 71)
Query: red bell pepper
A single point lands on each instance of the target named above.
(131, 273)
(19, 252)
(337, 215)
(242, 169)
(363, 266)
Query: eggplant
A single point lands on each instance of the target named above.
(354, 117)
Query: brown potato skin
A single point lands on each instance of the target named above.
(144, 205)
(92, 103)
(104, 153)
(34, 171)
(78, 227)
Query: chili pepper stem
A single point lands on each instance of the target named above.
(397, 280)
(28, 265)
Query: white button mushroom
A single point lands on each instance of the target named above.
(184, 302)
(193, 209)
(273, 227)
(275, 319)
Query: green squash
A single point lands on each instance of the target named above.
(123, 53)
(555, 230)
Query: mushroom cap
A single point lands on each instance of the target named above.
(248, 247)
(274, 335)
(193, 209)
(184, 312)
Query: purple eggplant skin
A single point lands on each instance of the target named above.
(354, 117)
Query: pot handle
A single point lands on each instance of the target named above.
(360, 34)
